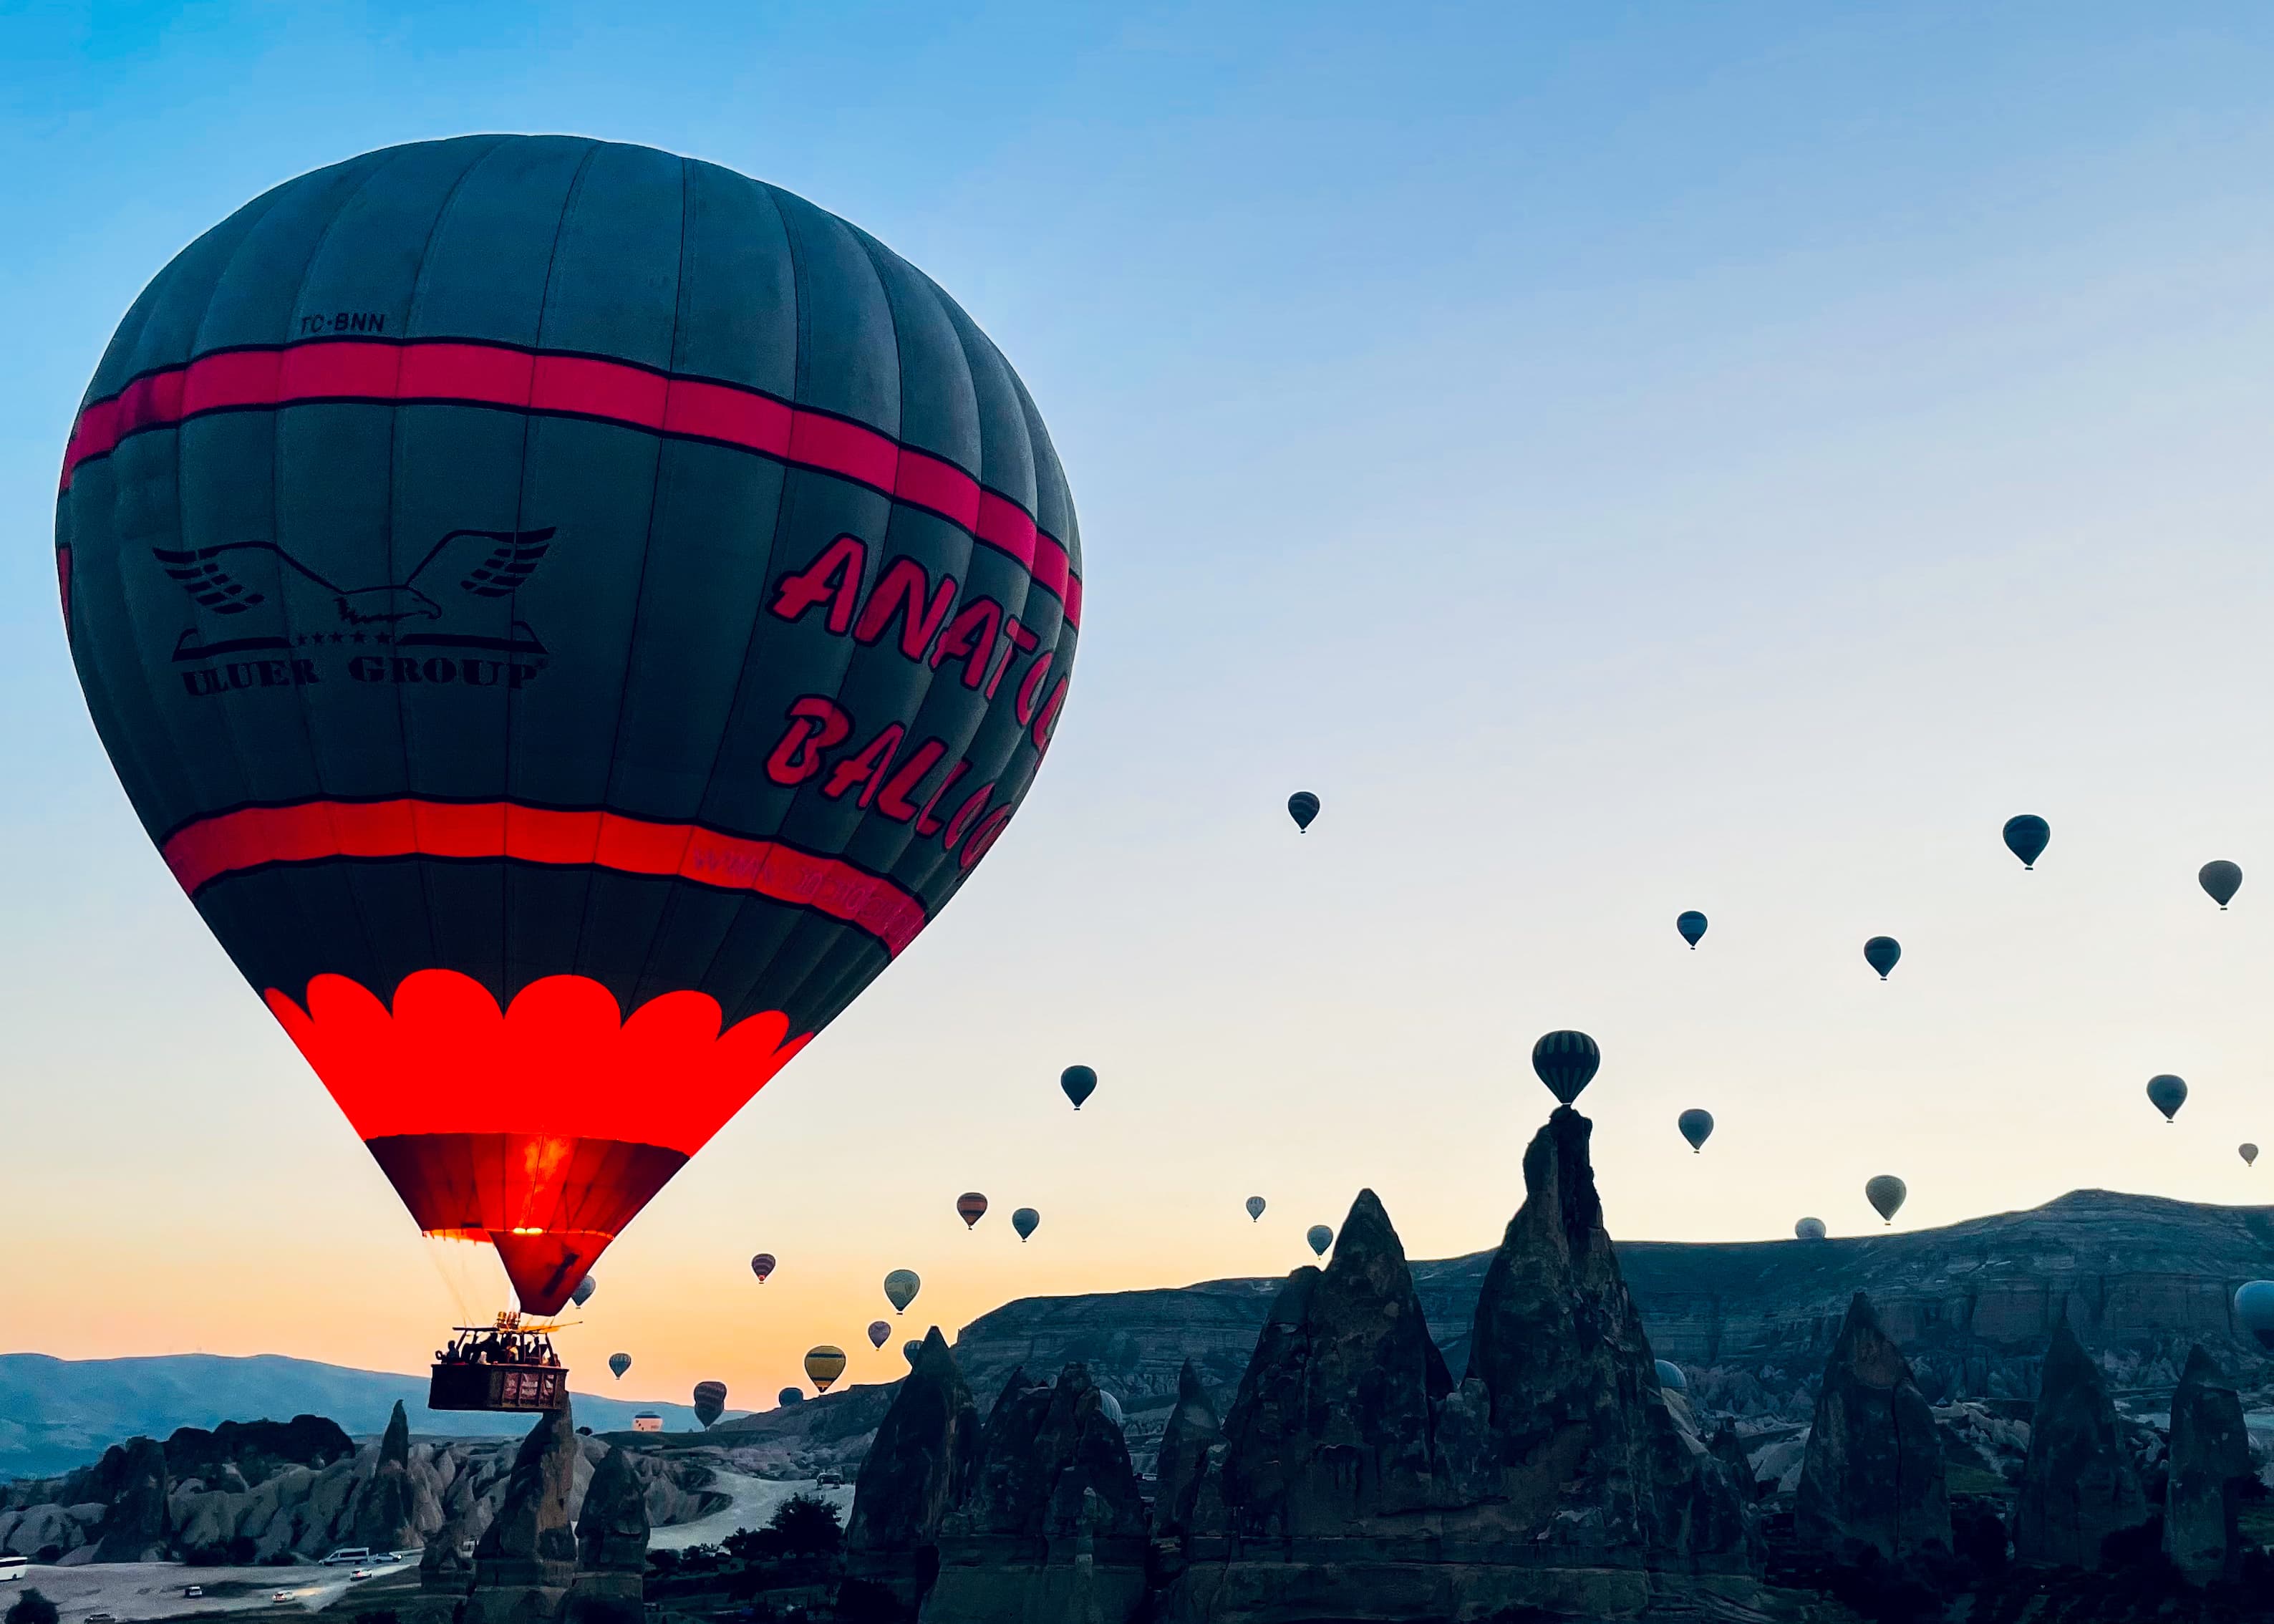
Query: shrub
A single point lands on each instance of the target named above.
(32, 1608)
(807, 1526)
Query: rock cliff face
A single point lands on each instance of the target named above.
(2078, 1482)
(385, 1513)
(612, 1531)
(2210, 1452)
(526, 1559)
(1192, 1452)
(1872, 1479)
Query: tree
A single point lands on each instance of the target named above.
(32, 1608)
(807, 1526)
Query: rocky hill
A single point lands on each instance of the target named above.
(57, 1414)
(1972, 1305)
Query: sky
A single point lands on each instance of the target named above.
(1623, 458)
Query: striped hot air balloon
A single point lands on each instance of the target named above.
(971, 1206)
(824, 1364)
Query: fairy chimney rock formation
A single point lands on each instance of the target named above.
(2210, 1454)
(612, 1531)
(2078, 1484)
(1873, 1479)
(527, 1558)
(919, 1468)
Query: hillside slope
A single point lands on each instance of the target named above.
(56, 1414)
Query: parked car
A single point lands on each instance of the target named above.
(101, 1618)
(194, 1589)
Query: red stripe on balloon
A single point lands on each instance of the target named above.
(315, 831)
(441, 372)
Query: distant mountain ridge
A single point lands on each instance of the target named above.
(56, 1414)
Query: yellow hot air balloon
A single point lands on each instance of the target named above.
(823, 1366)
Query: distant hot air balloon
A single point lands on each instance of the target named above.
(710, 1401)
(2167, 1093)
(2253, 1311)
(1255, 1208)
(1566, 1062)
(1692, 926)
(901, 1288)
(658, 598)
(762, 1266)
(1109, 1406)
(1302, 805)
(2222, 880)
(2026, 837)
(583, 1294)
(1670, 1376)
(910, 1348)
(1321, 1237)
(823, 1366)
(1696, 1126)
(619, 1363)
(1808, 1229)
(1880, 952)
(971, 1206)
(2249, 1152)
(1885, 1195)
(1026, 1221)
(1080, 1082)
(790, 1395)
(878, 1330)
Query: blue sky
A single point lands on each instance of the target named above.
(1623, 459)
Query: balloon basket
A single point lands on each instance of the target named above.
(497, 1386)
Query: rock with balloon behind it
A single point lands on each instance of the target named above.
(2079, 1485)
(1872, 1479)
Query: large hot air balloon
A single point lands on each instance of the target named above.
(823, 1366)
(2221, 880)
(1026, 1221)
(1255, 1208)
(762, 1266)
(1080, 1082)
(2253, 1311)
(901, 1288)
(971, 1206)
(790, 1395)
(1885, 1193)
(878, 1330)
(1696, 1126)
(1320, 1238)
(1670, 1376)
(1692, 926)
(1302, 805)
(1808, 1229)
(2026, 837)
(619, 1363)
(2167, 1093)
(710, 1401)
(568, 615)
(583, 1294)
(1566, 1062)
(2249, 1152)
(1881, 952)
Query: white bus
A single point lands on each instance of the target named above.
(13, 1566)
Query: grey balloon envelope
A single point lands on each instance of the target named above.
(583, 1294)
(1080, 1082)
(1808, 1229)
(2221, 880)
(901, 1288)
(619, 1363)
(1320, 1238)
(1302, 806)
(1026, 1221)
(1696, 1126)
(1881, 953)
(878, 1330)
(2026, 837)
(2167, 1093)
(2249, 1152)
(1886, 1194)
(1670, 1376)
(1692, 926)
(1566, 1062)
(1255, 1208)
(2253, 1311)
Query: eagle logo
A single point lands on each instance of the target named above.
(494, 567)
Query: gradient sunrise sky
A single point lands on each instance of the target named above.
(1623, 458)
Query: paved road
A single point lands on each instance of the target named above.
(750, 1504)
(129, 1591)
